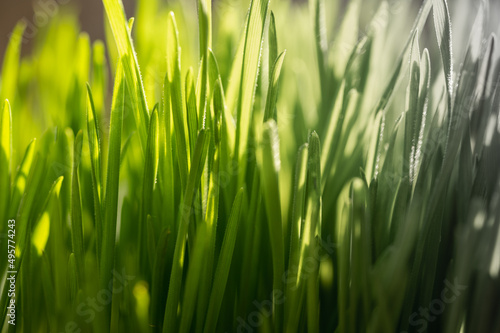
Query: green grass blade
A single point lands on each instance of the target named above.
(269, 168)
(442, 26)
(94, 142)
(121, 32)
(21, 178)
(177, 100)
(251, 59)
(223, 265)
(272, 95)
(5, 158)
(193, 280)
(76, 212)
(112, 185)
(174, 288)
(10, 66)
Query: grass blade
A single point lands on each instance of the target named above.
(223, 265)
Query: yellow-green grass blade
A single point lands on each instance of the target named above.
(205, 42)
(194, 273)
(223, 265)
(21, 178)
(269, 166)
(192, 113)
(94, 142)
(76, 212)
(111, 193)
(299, 195)
(149, 180)
(442, 25)
(251, 60)
(174, 86)
(127, 55)
(272, 95)
(170, 320)
(10, 66)
(5, 158)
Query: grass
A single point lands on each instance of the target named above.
(348, 183)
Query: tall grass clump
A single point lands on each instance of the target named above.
(319, 166)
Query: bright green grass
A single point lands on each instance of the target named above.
(349, 183)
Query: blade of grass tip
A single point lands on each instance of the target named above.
(401, 66)
(175, 92)
(21, 178)
(269, 168)
(94, 142)
(76, 213)
(112, 185)
(272, 43)
(312, 223)
(223, 265)
(299, 195)
(160, 275)
(5, 158)
(10, 66)
(359, 302)
(272, 95)
(251, 61)
(121, 32)
(149, 180)
(174, 288)
(423, 101)
(195, 268)
(442, 25)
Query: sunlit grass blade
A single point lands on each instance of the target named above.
(272, 94)
(10, 66)
(5, 158)
(174, 86)
(94, 142)
(111, 190)
(269, 166)
(121, 32)
(76, 212)
(174, 288)
(223, 265)
(251, 58)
